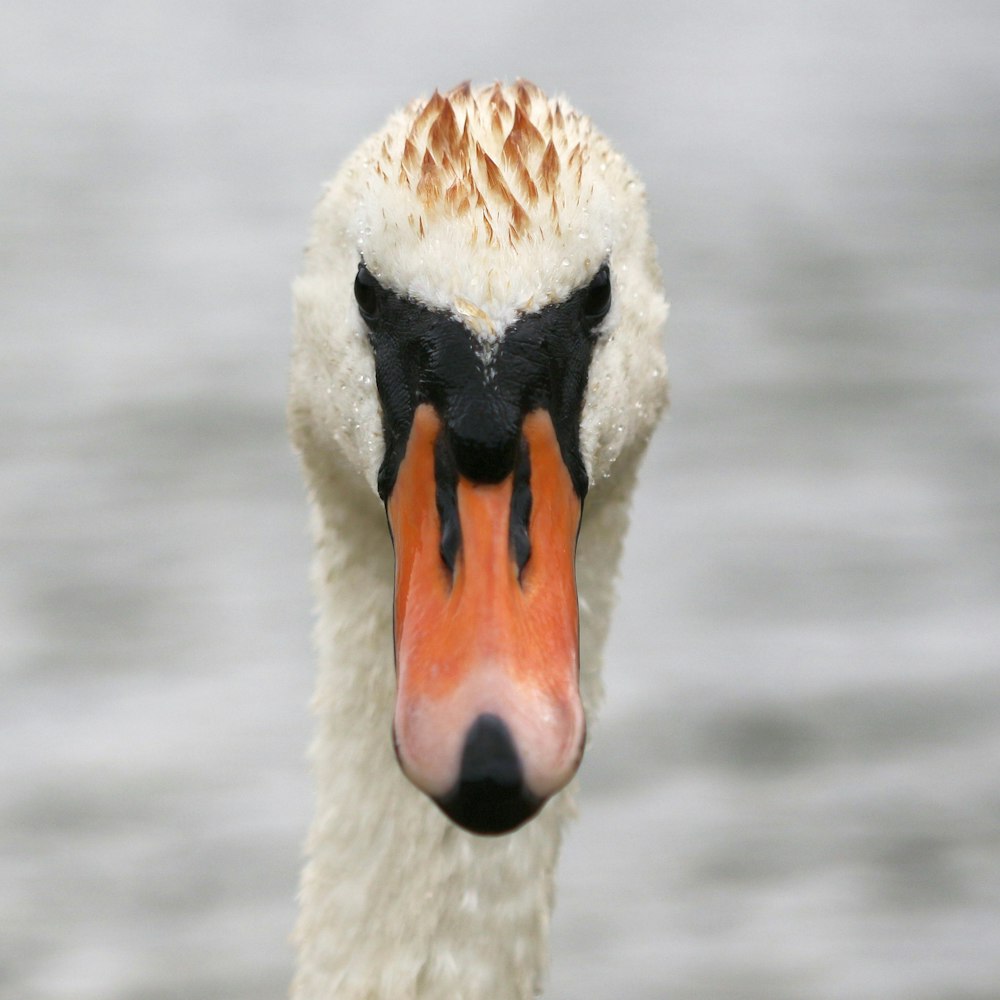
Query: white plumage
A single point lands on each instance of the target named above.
(489, 204)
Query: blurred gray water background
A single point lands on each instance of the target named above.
(793, 791)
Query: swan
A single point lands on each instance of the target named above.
(477, 349)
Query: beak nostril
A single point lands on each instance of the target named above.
(520, 509)
(490, 796)
(446, 499)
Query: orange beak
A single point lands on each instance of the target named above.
(488, 717)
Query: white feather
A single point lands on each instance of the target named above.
(397, 902)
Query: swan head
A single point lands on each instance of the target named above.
(478, 337)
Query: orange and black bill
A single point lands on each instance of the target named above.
(483, 479)
(488, 718)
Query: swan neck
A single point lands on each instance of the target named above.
(396, 901)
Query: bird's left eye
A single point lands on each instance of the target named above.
(366, 290)
(597, 301)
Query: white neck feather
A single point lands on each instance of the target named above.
(397, 902)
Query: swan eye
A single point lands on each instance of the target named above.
(597, 301)
(366, 292)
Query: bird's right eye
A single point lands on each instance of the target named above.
(366, 292)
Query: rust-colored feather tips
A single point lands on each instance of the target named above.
(487, 202)
(503, 157)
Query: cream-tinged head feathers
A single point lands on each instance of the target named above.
(488, 204)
